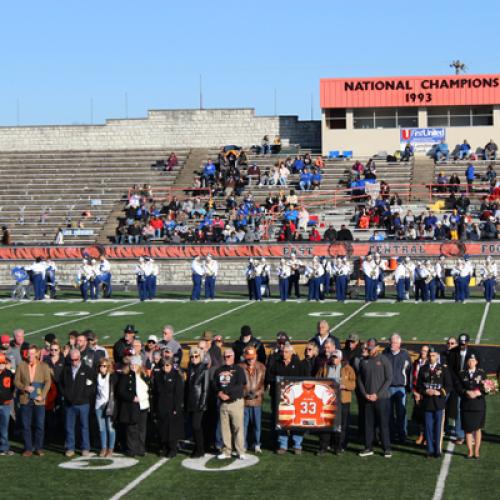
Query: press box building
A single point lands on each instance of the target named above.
(368, 115)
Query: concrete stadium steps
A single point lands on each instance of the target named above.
(458, 167)
(66, 182)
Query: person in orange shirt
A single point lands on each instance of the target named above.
(319, 162)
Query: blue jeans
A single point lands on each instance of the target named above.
(283, 440)
(33, 415)
(433, 423)
(209, 287)
(81, 411)
(196, 292)
(106, 428)
(4, 427)
(459, 432)
(398, 421)
(253, 417)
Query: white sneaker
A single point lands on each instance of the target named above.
(242, 457)
(257, 449)
(223, 456)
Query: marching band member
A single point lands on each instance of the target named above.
(421, 282)
(325, 280)
(198, 271)
(341, 271)
(399, 280)
(250, 276)
(85, 275)
(266, 277)
(409, 276)
(371, 272)
(460, 274)
(259, 272)
(38, 272)
(141, 279)
(104, 277)
(489, 276)
(439, 272)
(430, 282)
(284, 271)
(294, 281)
(469, 272)
(315, 277)
(211, 268)
(382, 267)
(94, 282)
(151, 278)
(50, 278)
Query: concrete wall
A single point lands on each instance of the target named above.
(367, 142)
(165, 129)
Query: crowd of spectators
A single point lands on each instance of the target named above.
(441, 152)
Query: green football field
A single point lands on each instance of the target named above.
(408, 475)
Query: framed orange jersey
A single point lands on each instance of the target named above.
(307, 403)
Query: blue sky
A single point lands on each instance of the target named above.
(57, 56)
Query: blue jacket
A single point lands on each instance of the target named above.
(469, 173)
(401, 367)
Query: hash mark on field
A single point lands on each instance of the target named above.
(139, 479)
(14, 305)
(356, 312)
(81, 318)
(225, 313)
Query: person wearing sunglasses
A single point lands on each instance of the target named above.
(53, 406)
(197, 392)
(105, 406)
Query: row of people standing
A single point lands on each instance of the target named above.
(92, 276)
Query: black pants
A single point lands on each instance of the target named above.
(197, 427)
(136, 435)
(165, 431)
(377, 415)
(331, 439)
(361, 415)
(337, 440)
(293, 283)
(344, 433)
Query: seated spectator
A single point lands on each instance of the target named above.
(370, 170)
(377, 236)
(385, 190)
(441, 181)
(357, 168)
(441, 152)
(208, 174)
(283, 174)
(330, 234)
(292, 199)
(121, 234)
(303, 218)
(489, 230)
(490, 150)
(276, 146)
(134, 233)
(316, 179)
(395, 200)
(344, 234)
(265, 145)
(157, 225)
(148, 232)
(314, 235)
(253, 174)
(454, 183)
(364, 220)
(407, 152)
(411, 232)
(242, 160)
(319, 163)
(275, 175)
(464, 150)
(305, 180)
(171, 162)
(264, 178)
(490, 175)
(298, 165)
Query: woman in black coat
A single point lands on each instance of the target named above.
(168, 399)
(472, 404)
(132, 395)
(197, 387)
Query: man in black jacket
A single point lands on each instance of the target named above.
(247, 339)
(374, 380)
(344, 234)
(78, 386)
(229, 381)
(433, 385)
(123, 344)
(323, 333)
(457, 361)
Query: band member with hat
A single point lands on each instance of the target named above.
(294, 281)
(38, 273)
(439, 271)
(140, 273)
(399, 280)
(315, 275)
(382, 267)
(341, 273)
(266, 277)
(259, 269)
(284, 272)
(250, 276)
(104, 277)
(371, 274)
(197, 272)
(85, 276)
(152, 271)
(50, 278)
(211, 268)
(433, 385)
(409, 276)
(489, 276)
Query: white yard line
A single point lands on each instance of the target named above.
(443, 473)
(483, 322)
(225, 313)
(139, 479)
(82, 318)
(356, 312)
(445, 466)
(14, 305)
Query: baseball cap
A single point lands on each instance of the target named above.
(354, 337)
(250, 352)
(207, 335)
(4, 339)
(153, 338)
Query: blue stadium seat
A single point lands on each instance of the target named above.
(347, 154)
(332, 155)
